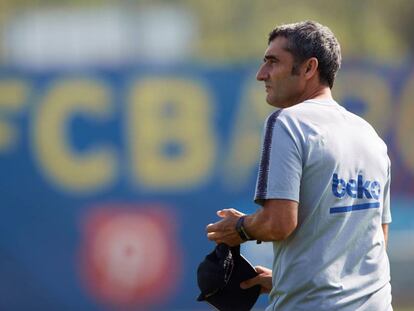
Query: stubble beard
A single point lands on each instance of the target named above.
(273, 101)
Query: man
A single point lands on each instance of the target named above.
(323, 186)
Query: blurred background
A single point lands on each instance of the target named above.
(124, 126)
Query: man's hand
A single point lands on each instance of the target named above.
(264, 279)
(224, 231)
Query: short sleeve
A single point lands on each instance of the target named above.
(280, 168)
(386, 212)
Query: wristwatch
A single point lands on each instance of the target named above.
(241, 230)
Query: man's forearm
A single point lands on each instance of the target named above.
(272, 222)
(258, 227)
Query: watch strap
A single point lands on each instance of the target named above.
(241, 230)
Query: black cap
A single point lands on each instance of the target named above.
(219, 277)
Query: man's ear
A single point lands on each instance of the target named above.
(311, 67)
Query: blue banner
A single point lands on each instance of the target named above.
(108, 178)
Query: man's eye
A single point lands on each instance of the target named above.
(270, 61)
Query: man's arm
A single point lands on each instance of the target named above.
(385, 231)
(275, 221)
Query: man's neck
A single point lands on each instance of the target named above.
(322, 93)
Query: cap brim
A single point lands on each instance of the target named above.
(201, 297)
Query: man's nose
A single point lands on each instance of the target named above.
(261, 74)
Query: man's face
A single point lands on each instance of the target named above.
(283, 88)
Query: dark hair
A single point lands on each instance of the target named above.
(310, 39)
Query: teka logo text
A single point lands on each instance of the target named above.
(356, 188)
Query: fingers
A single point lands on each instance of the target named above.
(211, 227)
(215, 237)
(214, 232)
(225, 212)
(264, 279)
(229, 212)
(212, 236)
(250, 282)
(223, 231)
(219, 224)
(263, 270)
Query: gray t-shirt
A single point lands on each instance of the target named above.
(336, 166)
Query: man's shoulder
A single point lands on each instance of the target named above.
(302, 112)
